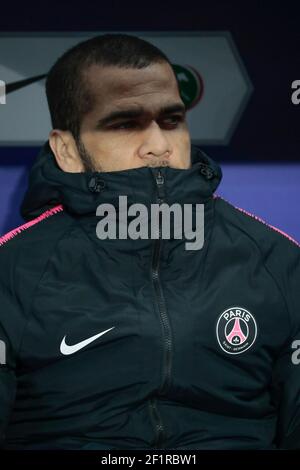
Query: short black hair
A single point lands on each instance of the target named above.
(68, 97)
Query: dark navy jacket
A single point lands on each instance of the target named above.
(140, 344)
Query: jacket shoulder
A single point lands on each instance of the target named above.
(51, 221)
(32, 242)
(279, 252)
(263, 233)
(24, 253)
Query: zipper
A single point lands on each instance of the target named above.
(159, 179)
(159, 292)
(158, 425)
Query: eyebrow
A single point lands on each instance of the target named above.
(137, 112)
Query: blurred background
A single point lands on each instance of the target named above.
(237, 64)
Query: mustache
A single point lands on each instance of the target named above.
(158, 163)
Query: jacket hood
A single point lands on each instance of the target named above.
(81, 193)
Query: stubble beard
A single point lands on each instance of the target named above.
(89, 165)
(86, 158)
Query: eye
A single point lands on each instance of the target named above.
(171, 121)
(174, 120)
(124, 125)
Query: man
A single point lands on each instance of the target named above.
(140, 343)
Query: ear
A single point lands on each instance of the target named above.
(63, 146)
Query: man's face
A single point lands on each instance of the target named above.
(138, 119)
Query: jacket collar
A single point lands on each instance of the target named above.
(81, 193)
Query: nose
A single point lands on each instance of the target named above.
(155, 144)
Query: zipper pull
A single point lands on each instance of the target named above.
(160, 186)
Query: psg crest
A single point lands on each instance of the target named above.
(236, 330)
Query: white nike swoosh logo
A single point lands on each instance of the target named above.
(66, 349)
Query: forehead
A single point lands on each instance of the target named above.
(114, 87)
